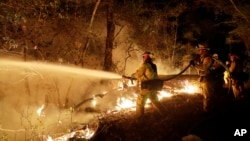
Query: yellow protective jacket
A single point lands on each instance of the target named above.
(147, 71)
(236, 70)
(204, 66)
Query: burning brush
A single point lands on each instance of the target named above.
(125, 103)
(82, 132)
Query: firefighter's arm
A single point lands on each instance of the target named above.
(232, 67)
(226, 77)
(139, 74)
(207, 62)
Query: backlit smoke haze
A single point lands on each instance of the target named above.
(26, 86)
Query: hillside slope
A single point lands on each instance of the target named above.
(185, 117)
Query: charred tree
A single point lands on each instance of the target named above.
(110, 37)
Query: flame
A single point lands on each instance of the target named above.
(189, 88)
(49, 138)
(89, 133)
(120, 85)
(94, 102)
(130, 102)
(123, 84)
(79, 134)
(125, 103)
(163, 94)
(40, 110)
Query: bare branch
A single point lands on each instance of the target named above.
(93, 15)
(118, 32)
(67, 94)
(129, 50)
(236, 8)
(84, 50)
(57, 91)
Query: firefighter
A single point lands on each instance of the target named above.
(147, 71)
(203, 65)
(236, 76)
(226, 74)
(217, 72)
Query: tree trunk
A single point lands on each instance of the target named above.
(110, 37)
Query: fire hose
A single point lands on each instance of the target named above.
(180, 73)
(164, 79)
(152, 84)
(156, 83)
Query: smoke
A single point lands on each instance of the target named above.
(27, 86)
(131, 59)
(127, 55)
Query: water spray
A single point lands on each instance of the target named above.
(49, 67)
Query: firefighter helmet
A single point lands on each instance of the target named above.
(148, 55)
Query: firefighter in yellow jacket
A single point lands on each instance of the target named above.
(237, 77)
(147, 71)
(203, 65)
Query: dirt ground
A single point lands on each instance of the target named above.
(184, 121)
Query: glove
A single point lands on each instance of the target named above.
(192, 62)
(123, 76)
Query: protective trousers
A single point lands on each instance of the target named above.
(209, 96)
(142, 98)
(237, 88)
